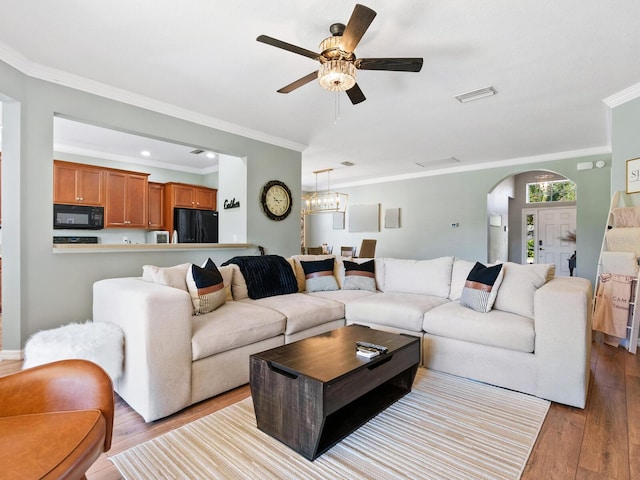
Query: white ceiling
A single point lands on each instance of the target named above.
(552, 62)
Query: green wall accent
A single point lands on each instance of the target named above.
(625, 140)
(429, 206)
(44, 290)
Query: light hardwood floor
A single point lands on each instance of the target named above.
(600, 442)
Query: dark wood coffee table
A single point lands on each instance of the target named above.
(312, 393)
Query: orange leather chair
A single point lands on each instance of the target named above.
(55, 420)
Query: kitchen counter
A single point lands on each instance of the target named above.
(143, 247)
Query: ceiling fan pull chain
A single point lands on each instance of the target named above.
(337, 107)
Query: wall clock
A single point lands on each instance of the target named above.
(276, 200)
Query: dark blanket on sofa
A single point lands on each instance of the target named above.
(266, 275)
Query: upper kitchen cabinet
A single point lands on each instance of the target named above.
(126, 199)
(156, 206)
(182, 195)
(77, 184)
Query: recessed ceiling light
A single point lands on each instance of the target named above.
(475, 94)
(210, 155)
(145, 153)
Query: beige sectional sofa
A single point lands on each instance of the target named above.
(536, 339)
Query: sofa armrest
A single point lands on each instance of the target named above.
(156, 321)
(563, 339)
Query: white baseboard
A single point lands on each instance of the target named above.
(11, 354)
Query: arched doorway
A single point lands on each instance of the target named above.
(531, 218)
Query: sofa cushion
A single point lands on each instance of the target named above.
(206, 287)
(359, 276)
(425, 277)
(459, 273)
(170, 276)
(519, 286)
(495, 328)
(481, 288)
(319, 275)
(265, 275)
(233, 325)
(343, 296)
(301, 310)
(401, 310)
(227, 278)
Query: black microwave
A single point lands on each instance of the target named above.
(78, 217)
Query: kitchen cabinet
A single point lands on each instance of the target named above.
(191, 196)
(126, 199)
(77, 184)
(156, 206)
(183, 195)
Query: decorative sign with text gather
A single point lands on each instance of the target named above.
(233, 203)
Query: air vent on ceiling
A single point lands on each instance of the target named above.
(441, 162)
(475, 94)
(197, 151)
(347, 164)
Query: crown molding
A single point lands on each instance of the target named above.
(623, 96)
(548, 157)
(41, 72)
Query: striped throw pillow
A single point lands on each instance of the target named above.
(319, 275)
(206, 287)
(481, 288)
(359, 276)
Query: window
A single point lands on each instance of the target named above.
(531, 238)
(552, 191)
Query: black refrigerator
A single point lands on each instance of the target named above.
(195, 226)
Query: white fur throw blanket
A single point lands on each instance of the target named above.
(100, 343)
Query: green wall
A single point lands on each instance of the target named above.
(43, 290)
(625, 140)
(429, 205)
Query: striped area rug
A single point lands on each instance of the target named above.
(446, 428)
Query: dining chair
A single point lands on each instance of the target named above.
(368, 248)
(348, 251)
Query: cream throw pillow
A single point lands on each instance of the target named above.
(425, 277)
(519, 286)
(170, 276)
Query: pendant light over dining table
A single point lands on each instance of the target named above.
(325, 201)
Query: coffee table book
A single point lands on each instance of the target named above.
(312, 393)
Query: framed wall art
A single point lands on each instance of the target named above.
(633, 175)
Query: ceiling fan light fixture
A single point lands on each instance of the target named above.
(475, 94)
(337, 75)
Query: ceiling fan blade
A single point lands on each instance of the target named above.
(300, 82)
(355, 95)
(287, 46)
(394, 64)
(359, 22)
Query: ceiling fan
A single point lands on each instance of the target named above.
(338, 62)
